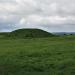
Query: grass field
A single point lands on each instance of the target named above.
(38, 56)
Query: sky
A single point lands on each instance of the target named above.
(49, 15)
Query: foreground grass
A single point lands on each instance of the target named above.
(40, 56)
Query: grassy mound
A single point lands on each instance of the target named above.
(31, 33)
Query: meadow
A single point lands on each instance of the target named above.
(38, 56)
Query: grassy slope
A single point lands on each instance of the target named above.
(41, 56)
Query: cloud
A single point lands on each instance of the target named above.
(51, 15)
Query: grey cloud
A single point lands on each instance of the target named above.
(6, 1)
(54, 15)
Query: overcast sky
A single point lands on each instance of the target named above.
(50, 15)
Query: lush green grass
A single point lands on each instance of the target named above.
(38, 56)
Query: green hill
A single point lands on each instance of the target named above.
(29, 33)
